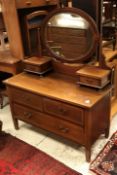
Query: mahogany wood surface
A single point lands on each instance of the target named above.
(73, 112)
(93, 77)
(54, 102)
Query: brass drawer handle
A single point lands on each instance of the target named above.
(63, 111)
(28, 114)
(47, 1)
(28, 2)
(63, 129)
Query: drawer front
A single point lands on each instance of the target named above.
(55, 125)
(68, 112)
(34, 3)
(27, 98)
(89, 81)
(37, 68)
(32, 68)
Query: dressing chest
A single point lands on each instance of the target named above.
(57, 104)
(55, 101)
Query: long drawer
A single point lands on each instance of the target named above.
(27, 98)
(34, 3)
(66, 111)
(53, 124)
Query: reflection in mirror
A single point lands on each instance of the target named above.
(69, 36)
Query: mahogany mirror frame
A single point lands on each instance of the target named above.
(93, 27)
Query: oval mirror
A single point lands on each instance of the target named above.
(70, 35)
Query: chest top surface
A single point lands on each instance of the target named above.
(57, 87)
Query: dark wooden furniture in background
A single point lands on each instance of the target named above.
(10, 65)
(18, 10)
(2, 28)
(1, 21)
(104, 13)
(18, 31)
(32, 24)
(109, 23)
(95, 9)
(109, 41)
(8, 62)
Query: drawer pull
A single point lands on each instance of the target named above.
(64, 130)
(47, 1)
(28, 3)
(63, 111)
(28, 114)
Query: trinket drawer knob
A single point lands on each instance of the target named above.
(28, 2)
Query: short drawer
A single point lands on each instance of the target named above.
(55, 125)
(39, 69)
(26, 114)
(27, 98)
(34, 3)
(68, 112)
(31, 68)
(89, 81)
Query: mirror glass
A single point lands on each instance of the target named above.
(70, 36)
